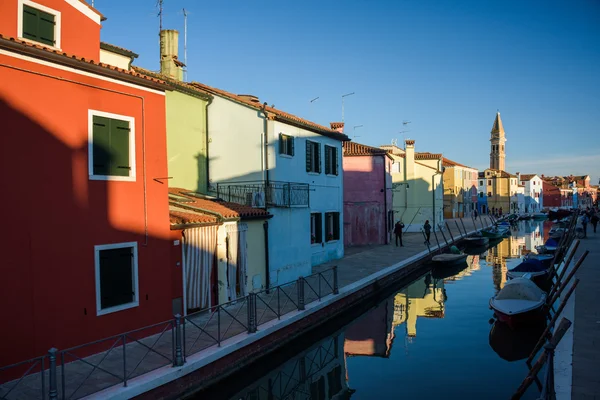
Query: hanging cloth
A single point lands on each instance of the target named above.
(199, 249)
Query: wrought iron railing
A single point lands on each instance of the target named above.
(89, 368)
(261, 194)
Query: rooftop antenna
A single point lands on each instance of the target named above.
(345, 95)
(403, 136)
(405, 122)
(354, 131)
(185, 44)
(311, 104)
(395, 142)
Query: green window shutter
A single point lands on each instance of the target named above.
(319, 227)
(119, 144)
(30, 23)
(328, 160)
(336, 225)
(116, 277)
(336, 166)
(318, 157)
(281, 146)
(291, 139)
(46, 25)
(101, 145)
(309, 150)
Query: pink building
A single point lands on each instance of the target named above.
(368, 217)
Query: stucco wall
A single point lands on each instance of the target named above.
(256, 255)
(186, 141)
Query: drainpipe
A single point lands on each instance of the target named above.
(433, 191)
(387, 235)
(267, 273)
(208, 103)
(266, 150)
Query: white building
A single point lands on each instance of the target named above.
(264, 157)
(534, 192)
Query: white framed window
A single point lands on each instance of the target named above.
(116, 268)
(286, 145)
(111, 146)
(332, 226)
(313, 157)
(331, 160)
(38, 23)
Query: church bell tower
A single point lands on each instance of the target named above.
(497, 155)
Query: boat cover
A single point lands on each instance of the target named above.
(551, 243)
(520, 289)
(530, 265)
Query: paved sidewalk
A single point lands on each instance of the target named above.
(144, 354)
(586, 328)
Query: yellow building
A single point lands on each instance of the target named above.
(502, 189)
(460, 189)
(417, 186)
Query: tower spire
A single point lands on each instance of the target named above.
(497, 139)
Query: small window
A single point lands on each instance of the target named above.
(39, 23)
(480, 183)
(489, 182)
(331, 160)
(316, 228)
(489, 194)
(332, 226)
(111, 147)
(286, 145)
(116, 277)
(313, 157)
(480, 194)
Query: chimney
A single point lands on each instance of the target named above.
(337, 126)
(409, 157)
(169, 47)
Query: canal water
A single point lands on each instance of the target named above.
(432, 339)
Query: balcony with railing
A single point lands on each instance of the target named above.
(260, 194)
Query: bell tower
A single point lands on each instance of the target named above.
(497, 139)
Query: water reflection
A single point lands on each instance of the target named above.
(378, 352)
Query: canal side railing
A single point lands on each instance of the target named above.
(83, 370)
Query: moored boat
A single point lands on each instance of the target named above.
(514, 344)
(539, 216)
(450, 259)
(535, 269)
(546, 259)
(476, 240)
(495, 232)
(519, 302)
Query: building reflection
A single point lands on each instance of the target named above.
(512, 248)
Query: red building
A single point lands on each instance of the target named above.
(83, 148)
(552, 195)
(367, 195)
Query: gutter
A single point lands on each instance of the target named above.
(267, 264)
(266, 150)
(181, 227)
(208, 103)
(65, 60)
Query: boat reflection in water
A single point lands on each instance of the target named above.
(514, 345)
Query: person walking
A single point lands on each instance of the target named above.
(427, 229)
(398, 232)
(594, 220)
(584, 222)
(475, 213)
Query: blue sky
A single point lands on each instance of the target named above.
(445, 66)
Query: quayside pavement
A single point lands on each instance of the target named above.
(146, 360)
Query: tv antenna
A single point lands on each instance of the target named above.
(405, 122)
(159, 4)
(395, 142)
(185, 44)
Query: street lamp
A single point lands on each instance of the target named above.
(345, 95)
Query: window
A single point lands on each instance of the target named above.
(286, 145)
(489, 182)
(489, 194)
(332, 226)
(480, 194)
(39, 23)
(116, 277)
(313, 157)
(480, 183)
(317, 389)
(331, 160)
(334, 379)
(111, 146)
(316, 228)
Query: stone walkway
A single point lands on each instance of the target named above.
(586, 328)
(135, 354)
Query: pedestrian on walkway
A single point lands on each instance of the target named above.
(594, 220)
(475, 213)
(427, 229)
(584, 222)
(398, 232)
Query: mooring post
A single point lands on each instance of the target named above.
(336, 289)
(464, 228)
(460, 234)
(450, 232)
(178, 353)
(251, 312)
(444, 236)
(437, 241)
(52, 384)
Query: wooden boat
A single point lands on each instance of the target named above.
(476, 240)
(447, 271)
(475, 250)
(546, 259)
(515, 344)
(535, 269)
(450, 259)
(494, 232)
(519, 302)
(539, 216)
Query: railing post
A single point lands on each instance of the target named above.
(124, 360)
(449, 231)
(289, 188)
(251, 312)
(300, 289)
(460, 234)
(178, 359)
(278, 303)
(52, 384)
(219, 326)
(229, 193)
(336, 289)
(463, 225)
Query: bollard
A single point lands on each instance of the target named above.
(178, 359)
(251, 306)
(300, 288)
(336, 289)
(52, 385)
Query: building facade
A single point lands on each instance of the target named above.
(367, 195)
(94, 255)
(289, 166)
(534, 192)
(417, 187)
(460, 189)
(482, 207)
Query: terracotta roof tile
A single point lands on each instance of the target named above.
(171, 81)
(117, 49)
(449, 163)
(223, 208)
(180, 216)
(336, 125)
(427, 156)
(527, 177)
(27, 44)
(274, 113)
(357, 149)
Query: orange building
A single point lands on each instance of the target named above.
(83, 147)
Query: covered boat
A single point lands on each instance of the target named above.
(537, 271)
(546, 259)
(476, 240)
(495, 232)
(539, 216)
(519, 302)
(455, 257)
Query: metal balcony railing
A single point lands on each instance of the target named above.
(259, 194)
